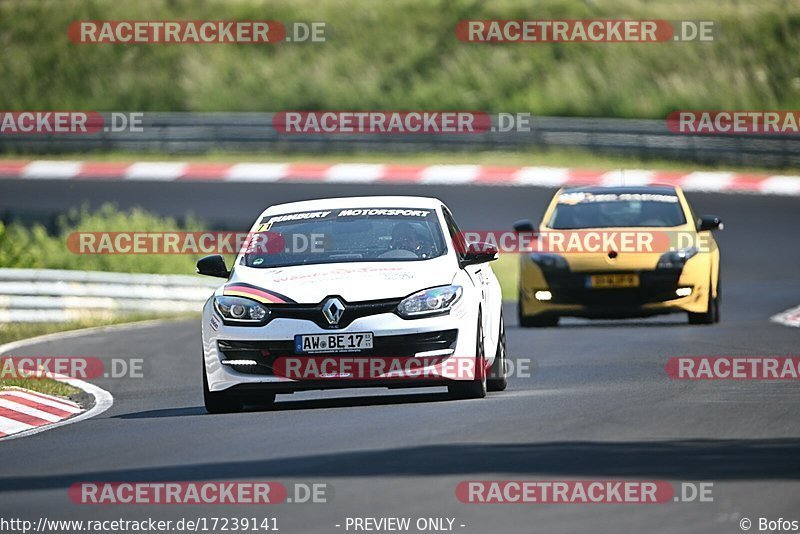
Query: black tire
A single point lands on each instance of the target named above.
(473, 389)
(261, 400)
(498, 376)
(719, 297)
(711, 314)
(521, 319)
(542, 321)
(534, 321)
(219, 402)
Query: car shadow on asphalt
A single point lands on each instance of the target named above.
(510, 314)
(682, 459)
(620, 323)
(306, 404)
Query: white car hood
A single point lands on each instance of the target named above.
(309, 284)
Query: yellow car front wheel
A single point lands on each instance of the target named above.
(532, 321)
(711, 314)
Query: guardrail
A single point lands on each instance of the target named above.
(46, 295)
(254, 132)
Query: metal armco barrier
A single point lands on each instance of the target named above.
(254, 132)
(45, 295)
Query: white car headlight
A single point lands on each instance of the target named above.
(429, 302)
(239, 310)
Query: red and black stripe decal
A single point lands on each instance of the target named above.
(240, 289)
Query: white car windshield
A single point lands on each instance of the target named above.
(345, 235)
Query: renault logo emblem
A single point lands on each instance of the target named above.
(333, 310)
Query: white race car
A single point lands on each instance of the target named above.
(352, 292)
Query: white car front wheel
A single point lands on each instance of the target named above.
(476, 388)
(219, 402)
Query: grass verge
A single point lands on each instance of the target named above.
(16, 331)
(506, 267)
(404, 55)
(34, 247)
(48, 386)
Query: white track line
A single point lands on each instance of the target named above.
(449, 174)
(719, 182)
(790, 317)
(102, 402)
(781, 185)
(624, 177)
(708, 181)
(28, 410)
(41, 400)
(157, 171)
(355, 173)
(256, 172)
(13, 427)
(541, 176)
(61, 170)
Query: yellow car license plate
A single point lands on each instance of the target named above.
(603, 281)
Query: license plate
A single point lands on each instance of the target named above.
(351, 342)
(603, 281)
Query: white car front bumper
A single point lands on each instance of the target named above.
(277, 339)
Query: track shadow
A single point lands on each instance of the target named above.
(696, 459)
(164, 412)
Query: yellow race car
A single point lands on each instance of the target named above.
(618, 252)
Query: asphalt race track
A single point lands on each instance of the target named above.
(599, 404)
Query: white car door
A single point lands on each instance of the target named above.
(486, 283)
